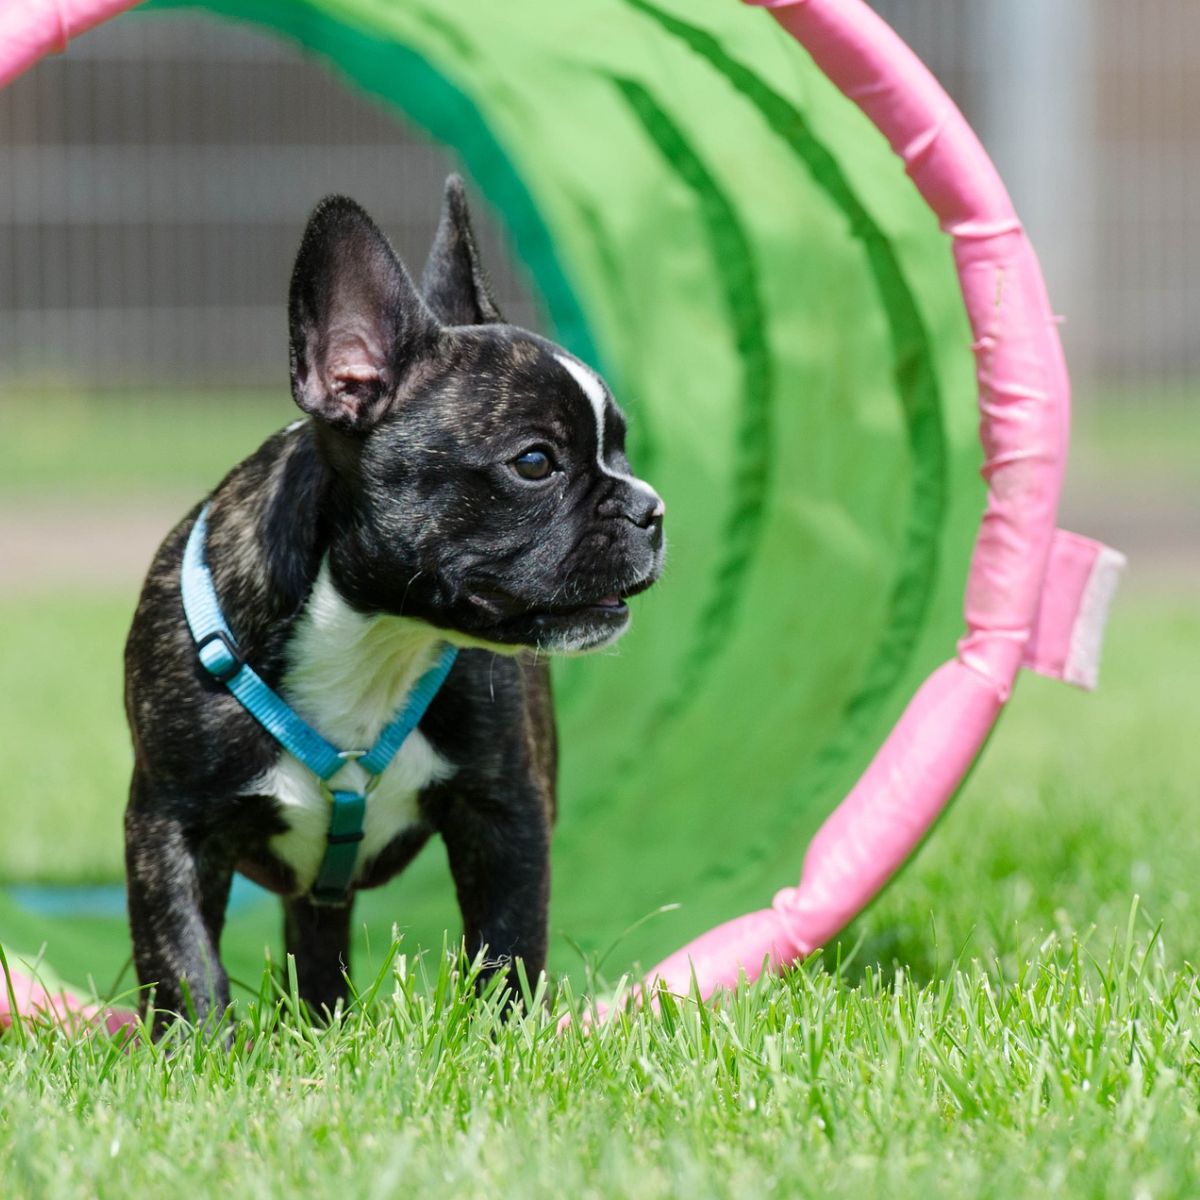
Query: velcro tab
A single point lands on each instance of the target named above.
(1081, 578)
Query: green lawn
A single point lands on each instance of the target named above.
(88, 448)
(1018, 1015)
(1004, 1021)
(1074, 1075)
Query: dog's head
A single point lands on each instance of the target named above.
(480, 477)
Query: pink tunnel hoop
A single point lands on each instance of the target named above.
(1036, 596)
(31, 29)
(1034, 593)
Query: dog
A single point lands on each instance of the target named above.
(453, 506)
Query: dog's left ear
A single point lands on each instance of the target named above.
(454, 282)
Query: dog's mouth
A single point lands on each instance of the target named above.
(572, 626)
(589, 624)
(502, 607)
(606, 606)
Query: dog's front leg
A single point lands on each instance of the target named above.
(499, 851)
(318, 937)
(177, 897)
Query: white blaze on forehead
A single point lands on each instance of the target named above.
(597, 394)
(593, 389)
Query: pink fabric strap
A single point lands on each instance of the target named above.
(1081, 579)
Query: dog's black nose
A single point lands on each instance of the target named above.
(647, 512)
(640, 505)
(646, 509)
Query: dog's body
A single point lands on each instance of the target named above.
(456, 480)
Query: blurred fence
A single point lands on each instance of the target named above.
(153, 183)
(153, 186)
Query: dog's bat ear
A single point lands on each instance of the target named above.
(454, 282)
(357, 324)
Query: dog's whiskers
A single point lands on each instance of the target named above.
(407, 586)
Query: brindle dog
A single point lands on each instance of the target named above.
(453, 479)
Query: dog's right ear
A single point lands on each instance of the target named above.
(357, 325)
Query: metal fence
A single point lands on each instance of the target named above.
(153, 183)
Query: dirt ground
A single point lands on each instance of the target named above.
(108, 547)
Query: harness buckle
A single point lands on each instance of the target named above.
(349, 756)
(224, 659)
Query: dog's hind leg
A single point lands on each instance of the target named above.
(177, 895)
(318, 936)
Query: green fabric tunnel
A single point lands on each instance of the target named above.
(733, 244)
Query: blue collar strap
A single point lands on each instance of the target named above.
(221, 657)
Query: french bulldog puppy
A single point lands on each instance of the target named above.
(454, 479)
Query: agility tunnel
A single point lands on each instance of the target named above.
(806, 284)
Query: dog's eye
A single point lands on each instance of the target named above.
(534, 463)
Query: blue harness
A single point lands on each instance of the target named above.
(223, 660)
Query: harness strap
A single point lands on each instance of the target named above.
(346, 814)
(222, 658)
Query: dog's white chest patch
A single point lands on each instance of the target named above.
(347, 676)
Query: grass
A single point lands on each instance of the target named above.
(101, 448)
(1017, 1015)
(1141, 428)
(1004, 1021)
(1076, 1074)
(60, 707)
